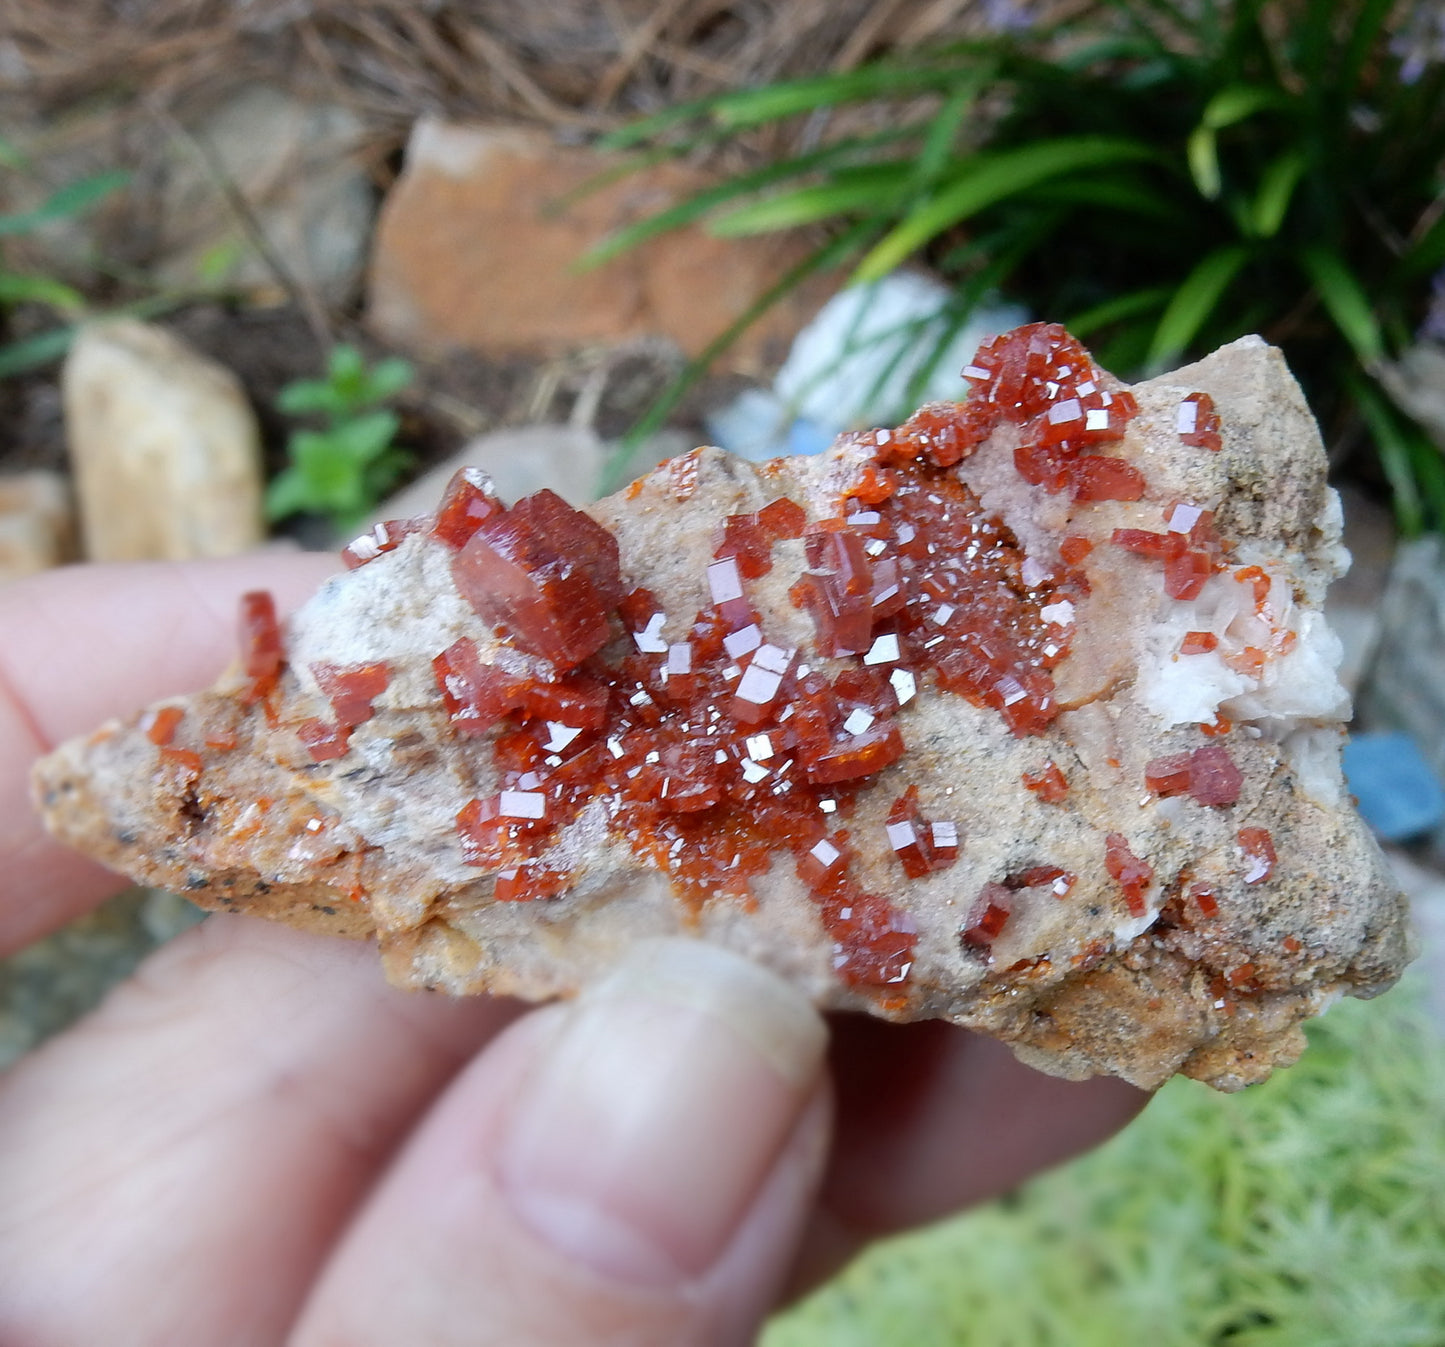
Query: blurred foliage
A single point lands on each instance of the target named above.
(69, 202)
(1162, 176)
(1307, 1212)
(342, 469)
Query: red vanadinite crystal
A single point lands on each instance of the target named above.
(1074, 550)
(943, 432)
(260, 632)
(1239, 976)
(749, 538)
(725, 585)
(1130, 872)
(1249, 661)
(476, 695)
(1037, 877)
(1213, 778)
(323, 740)
(638, 607)
(494, 831)
(825, 863)
(1098, 478)
(1039, 378)
(873, 940)
(745, 539)
(1258, 848)
(1022, 372)
(1189, 550)
(1184, 575)
(1042, 465)
(855, 755)
(1257, 580)
(546, 573)
(160, 725)
(1204, 897)
(682, 473)
(920, 845)
(466, 503)
(837, 590)
(1198, 423)
(1155, 546)
(1208, 774)
(1048, 783)
(987, 917)
(1168, 776)
(351, 689)
(782, 518)
(186, 759)
(873, 485)
(1198, 643)
(384, 537)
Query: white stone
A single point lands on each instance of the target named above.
(37, 524)
(164, 445)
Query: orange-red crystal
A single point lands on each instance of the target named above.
(1131, 872)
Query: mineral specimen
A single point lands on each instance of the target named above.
(1021, 714)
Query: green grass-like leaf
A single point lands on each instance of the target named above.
(1305, 1212)
(73, 199)
(1193, 303)
(1119, 307)
(1393, 447)
(1276, 188)
(852, 191)
(731, 190)
(34, 352)
(1345, 298)
(16, 288)
(744, 108)
(987, 179)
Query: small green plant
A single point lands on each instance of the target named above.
(1161, 176)
(342, 469)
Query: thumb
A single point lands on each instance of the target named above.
(634, 1168)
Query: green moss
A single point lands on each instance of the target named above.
(1306, 1212)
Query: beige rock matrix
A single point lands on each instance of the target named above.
(1022, 715)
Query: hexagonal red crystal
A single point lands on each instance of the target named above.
(547, 574)
(987, 916)
(352, 689)
(468, 500)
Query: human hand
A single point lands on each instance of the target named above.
(255, 1141)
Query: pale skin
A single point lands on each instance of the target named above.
(256, 1141)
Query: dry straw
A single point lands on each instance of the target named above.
(573, 65)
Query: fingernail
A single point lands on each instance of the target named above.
(641, 1135)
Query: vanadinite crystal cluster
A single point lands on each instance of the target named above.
(1021, 713)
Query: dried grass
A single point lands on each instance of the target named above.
(573, 65)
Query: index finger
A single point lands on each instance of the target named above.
(86, 643)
